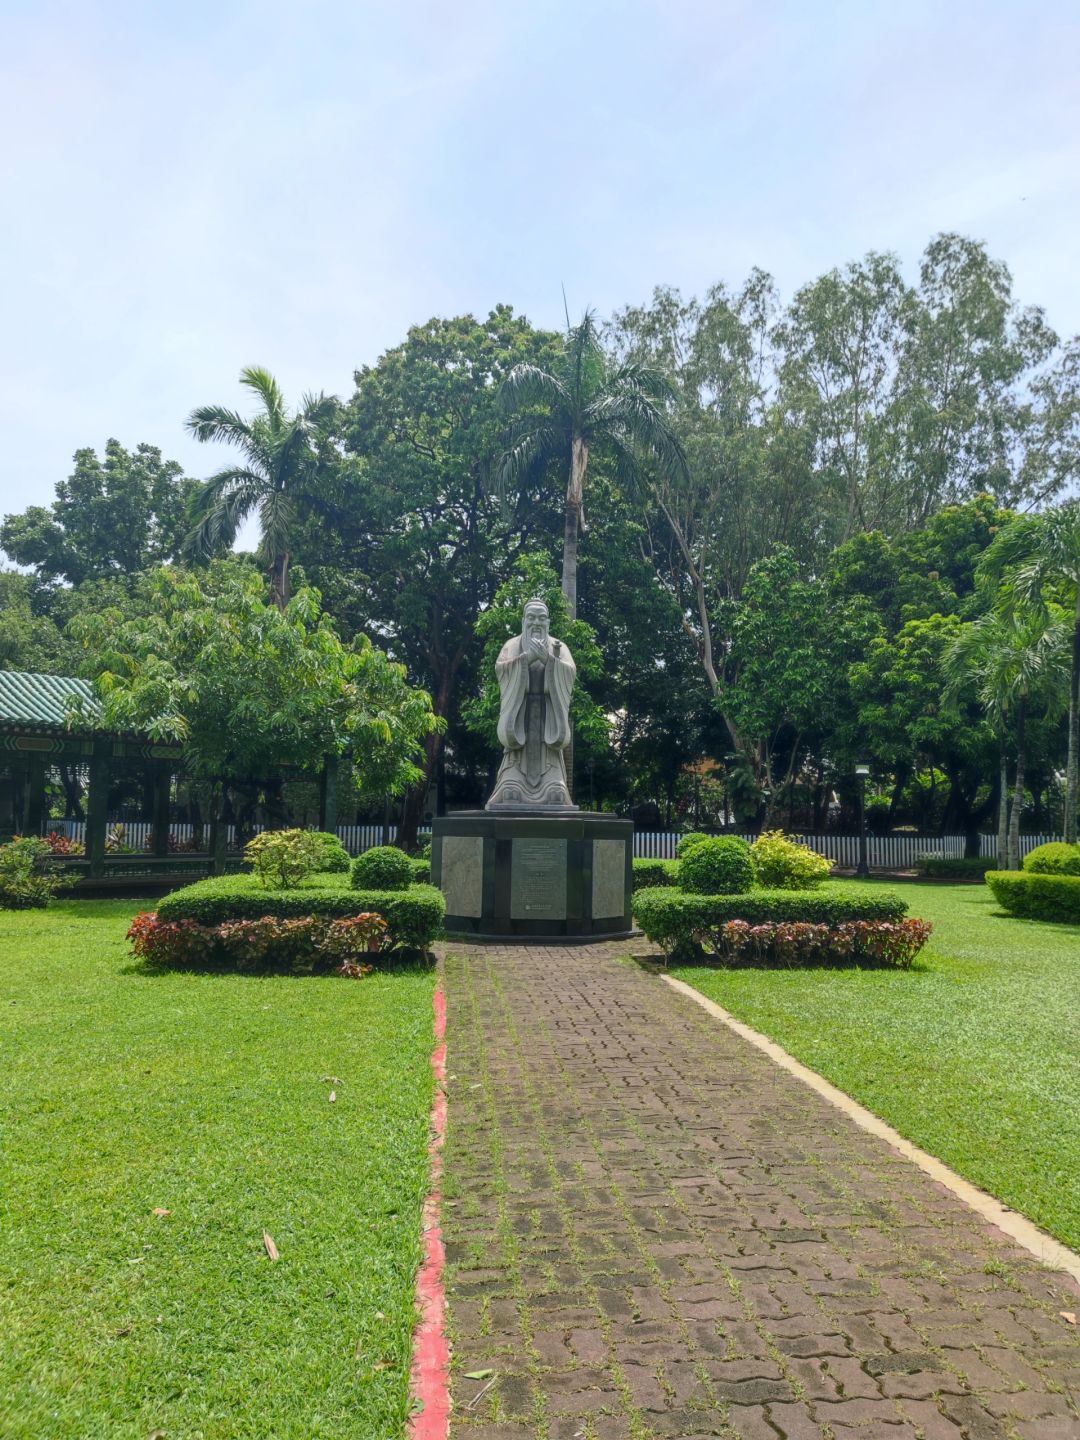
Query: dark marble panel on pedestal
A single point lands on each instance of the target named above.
(537, 879)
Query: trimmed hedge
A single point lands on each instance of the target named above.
(688, 841)
(383, 868)
(936, 867)
(421, 869)
(673, 919)
(1037, 897)
(1054, 858)
(413, 917)
(648, 873)
(719, 866)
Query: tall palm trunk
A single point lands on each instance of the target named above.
(1003, 812)
(1072, 766)
(1018, 793)
(279, 580)
(575, 494)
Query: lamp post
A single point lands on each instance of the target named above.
(862, 872)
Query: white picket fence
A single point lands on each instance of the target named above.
(885, 852)
(136, 833)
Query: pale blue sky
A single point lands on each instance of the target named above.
(191, 187)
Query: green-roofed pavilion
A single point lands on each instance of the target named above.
(50, 720)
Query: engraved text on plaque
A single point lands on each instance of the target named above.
(538, 880)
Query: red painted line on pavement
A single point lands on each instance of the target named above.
(431, 1350)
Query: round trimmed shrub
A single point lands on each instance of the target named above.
(1054, 858)
(688, 841)
(719, 866)
(335, 858)
(783, 864)
(383, 868)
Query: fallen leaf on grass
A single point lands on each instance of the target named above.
(332, 1096)
(159, 1211)
(478, 1374)
(271, 1248)
(1069, 1316)
(156, 1435)
(331, 1080)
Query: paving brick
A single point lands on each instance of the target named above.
(656, 1231)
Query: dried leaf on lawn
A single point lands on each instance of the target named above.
(271, 1248)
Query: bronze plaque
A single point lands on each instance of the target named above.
(538, 880)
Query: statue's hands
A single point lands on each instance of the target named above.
(537, 650)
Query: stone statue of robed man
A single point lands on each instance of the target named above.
(536, 679)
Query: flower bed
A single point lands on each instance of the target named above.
(796, 943)
(689, 926)
(306, 945)
(413, 916)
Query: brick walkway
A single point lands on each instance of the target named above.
(652, 1231)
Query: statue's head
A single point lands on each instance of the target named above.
(536, 623)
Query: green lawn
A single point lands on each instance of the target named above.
(974, 1055)
(207, 1096)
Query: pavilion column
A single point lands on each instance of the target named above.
(162, 791)
(97, 804)
(34, 819)
(328, 787)
(9, 820)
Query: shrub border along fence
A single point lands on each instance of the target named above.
(885, 852)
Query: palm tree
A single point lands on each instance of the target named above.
(1012, 656)
(277, 477)
(1043, 551)
(586, 399)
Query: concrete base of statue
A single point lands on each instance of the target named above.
(533, 878)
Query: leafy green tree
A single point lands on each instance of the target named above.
(900, 717)
(651, 685)
(1041, 553)
(111, 518)
(417, 545)
(840, 339)
(964, 417)
(1014, 657)
(253, 689)
(787, 670)
(28, 641)
(583, 401)
(283, 465)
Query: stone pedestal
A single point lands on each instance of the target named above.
(532, 878)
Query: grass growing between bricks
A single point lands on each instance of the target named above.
(122, 1093)
(973, 1055)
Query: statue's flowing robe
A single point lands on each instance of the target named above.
(534, 725)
